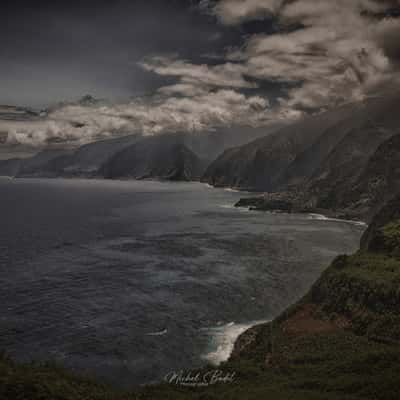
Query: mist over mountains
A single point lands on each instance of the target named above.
(135, 156)
(344, 160)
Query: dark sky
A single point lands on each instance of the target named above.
(57, 50)
(188, 65)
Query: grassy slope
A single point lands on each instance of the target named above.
(341, 341)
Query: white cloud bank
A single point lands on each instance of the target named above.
(78, 125)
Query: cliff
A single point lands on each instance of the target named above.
(84, 161)
(342, 162)
(163, 156)
(342, 339)
(195, 149)
(262, 164)
(9, 167)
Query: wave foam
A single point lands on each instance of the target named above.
(232, 190)
(321, 217)
(223, 340)
(160, 333)
(232, 207)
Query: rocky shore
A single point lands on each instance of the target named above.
(294, 202)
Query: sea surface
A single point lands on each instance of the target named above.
(128, 281)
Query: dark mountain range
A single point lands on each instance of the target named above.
(36, 165)
(208, 145)
(337, 160)
(179, 156)
(327, 160)
(163, 156)
(88, 160)
(379, 180)
(85, 161)
(266, 163)
(9, 167)
(342, 169)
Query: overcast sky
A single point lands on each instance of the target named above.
(57, 50)
(189, 64)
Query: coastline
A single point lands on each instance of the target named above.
(279, 203)
(322, 217)
(291, 202)
(248, 333)
(251, 328)
(224, 338)
(232, 334)
(291, 356)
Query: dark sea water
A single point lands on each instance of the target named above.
(131, 280)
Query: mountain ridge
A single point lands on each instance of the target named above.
(90, 160)
(318, 164)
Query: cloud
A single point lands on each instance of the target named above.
(225, 75)
(341, 51)
(339, 54)
(235, 12)
(77, 125)
(183, 89)
(232, 12)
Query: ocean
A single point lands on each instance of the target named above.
(128, 281)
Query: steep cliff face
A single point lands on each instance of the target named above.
(163, 156)
(332, 161)
(342, 169)
(208, 145)
(364, 287)
(267, 163)
(37, 165)
(343, 337)
(344, 166)
(371, 239)
(379, 181)
(86, 160)
(9, 167)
